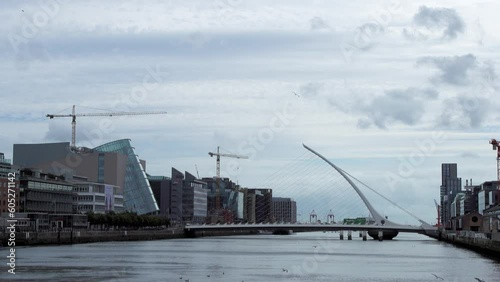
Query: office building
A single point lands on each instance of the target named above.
(194, 199)
(451, 185)
(160, 185)
(44, 193)
(284, 210)
(261, 199)
(97, 197)
(487, 196)
(114, 163)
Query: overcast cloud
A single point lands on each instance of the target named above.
(446, 19)
(454, 70)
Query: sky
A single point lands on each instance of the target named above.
(386, 90)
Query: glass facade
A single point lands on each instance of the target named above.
(137, 194)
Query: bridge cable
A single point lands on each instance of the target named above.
(384, 197)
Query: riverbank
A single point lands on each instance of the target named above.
(475, 241)
(80, 237)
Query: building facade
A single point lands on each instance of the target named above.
(160, 185)
(97, 198)
(487, 196)
(262, 209)
(176, 194)
(114, 163)
(284, 210)
(226, 186)
(491, 221)
(6, 184)
(45, 193)
(137, 193)
(451, 185)
(194, 200)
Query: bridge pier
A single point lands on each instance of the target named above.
(341, 235)
(188, 233)
(383, 235)
(364, 235)
(360, 234)
(349, 235)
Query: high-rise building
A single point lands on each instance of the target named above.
(284, 210)
(451, 185)
(194, 199)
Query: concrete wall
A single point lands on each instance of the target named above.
(75, 237)
(475, 241)
(31, 155)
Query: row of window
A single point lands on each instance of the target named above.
(49, 186)
(97, 208)
(96, 189)
(44, 206)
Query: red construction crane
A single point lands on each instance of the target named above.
(73, 115)
(217, 192)
(495, 145)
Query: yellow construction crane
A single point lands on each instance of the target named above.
(73, 115)
(218, 154)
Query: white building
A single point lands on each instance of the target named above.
(97, 197)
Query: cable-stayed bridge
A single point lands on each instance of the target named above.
(378, 227)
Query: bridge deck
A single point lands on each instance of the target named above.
(308, 227)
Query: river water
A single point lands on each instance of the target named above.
(299, 257)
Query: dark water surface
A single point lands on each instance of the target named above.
(299, 257)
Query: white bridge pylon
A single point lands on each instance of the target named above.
(379, 219)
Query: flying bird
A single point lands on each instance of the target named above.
(296, 94)
(480, 280)
(437, 277)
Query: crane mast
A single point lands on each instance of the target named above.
(218, 155)
(73, 116)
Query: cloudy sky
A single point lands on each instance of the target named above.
(386, 90)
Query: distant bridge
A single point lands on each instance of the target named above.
(382, 228)
(388, 231)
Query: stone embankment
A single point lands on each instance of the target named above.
(85, 236)
(488, 244)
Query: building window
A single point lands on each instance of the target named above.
(100, 167)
